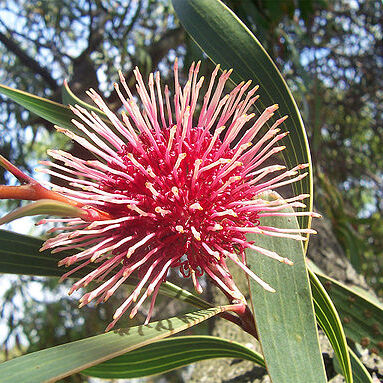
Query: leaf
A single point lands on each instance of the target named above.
(169, 354)
(51, 111)
(69, 98)
(173, 291)
(361, 315)
(55, 363)
(285, 319)
(227, 41)
(43, 206)
(359, 372)
(20, 254)
(329, 320)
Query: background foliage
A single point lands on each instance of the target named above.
(330, 52)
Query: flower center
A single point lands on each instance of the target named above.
(184, 187)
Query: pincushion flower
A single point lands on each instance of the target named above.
(172, 184)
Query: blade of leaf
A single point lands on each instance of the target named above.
(69, 98)
(361, 315)
(51, 111)
(20, 254)
(169, 354)
(285, 320)
(329, 320)
(43, 206)
(55, 363)
(359, 372)
(227, 41)
(173, 291)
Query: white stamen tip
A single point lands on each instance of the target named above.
(196, 206)
(150, 172)
(150, 186)
(160, 210)
(287, 261)
(196, 234)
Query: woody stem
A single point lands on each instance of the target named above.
(245, 318)
(33, 191)
(21, 176)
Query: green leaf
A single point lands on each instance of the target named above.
(329, 320)
(285, 319)
(69, 98)
(51, 111)
(55, 363)
(361, 314)
(43, 206)
(169, 354)
(173, 291)
(20, 254)
(227, 41)
(359, 372)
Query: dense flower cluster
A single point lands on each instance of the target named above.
(174, 185)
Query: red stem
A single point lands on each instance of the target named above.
(245, 318)
(30, 190)
(22, 177)
(33, 191)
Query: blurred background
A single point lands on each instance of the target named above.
(330, 52)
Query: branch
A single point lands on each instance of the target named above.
(96, 34)
(169, 40)
(28, 61)
(157, 51)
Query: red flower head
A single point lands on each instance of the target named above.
(173, 186)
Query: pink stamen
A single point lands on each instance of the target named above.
(169, 189)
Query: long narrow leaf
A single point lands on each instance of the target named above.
(19, 254)
(169, 354)
(285, 319)
(69, 98)
(55, 363)
(43, 206)
(49, 110)
(227, 41)
(361, 315)
(359, 372)
(329, 320)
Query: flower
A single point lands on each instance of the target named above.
(172, 187)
